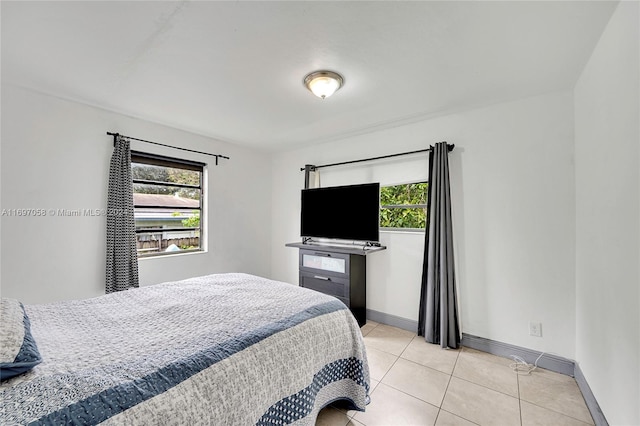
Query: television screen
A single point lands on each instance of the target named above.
(341, 212)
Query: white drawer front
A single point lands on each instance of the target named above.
(325, 263)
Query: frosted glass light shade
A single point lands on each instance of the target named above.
(323, 83)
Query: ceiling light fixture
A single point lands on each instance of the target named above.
(323, 83)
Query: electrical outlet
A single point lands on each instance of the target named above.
(535, 329)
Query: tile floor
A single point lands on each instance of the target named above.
(417, 383)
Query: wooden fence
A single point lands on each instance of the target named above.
(155, 246)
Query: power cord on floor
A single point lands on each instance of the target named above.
(520, 366)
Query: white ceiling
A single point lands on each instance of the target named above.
(233, 70)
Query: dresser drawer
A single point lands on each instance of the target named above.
(344, 300)
(325, 284)
(325, 264)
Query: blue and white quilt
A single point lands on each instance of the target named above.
(227, 349)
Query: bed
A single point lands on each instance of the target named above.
(225, 349)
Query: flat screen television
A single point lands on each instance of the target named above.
(349, 212)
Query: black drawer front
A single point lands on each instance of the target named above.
(324, 284)
(343, 300)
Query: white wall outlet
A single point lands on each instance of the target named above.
(535, 329)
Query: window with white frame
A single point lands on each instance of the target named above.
(404, 206)
(168, 204)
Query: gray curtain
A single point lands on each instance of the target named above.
(438, 315)
(122, 256)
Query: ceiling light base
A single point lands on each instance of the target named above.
(323, 83)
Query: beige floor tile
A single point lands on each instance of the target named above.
(389, 339)
(555, 392)
(430, 355)
(391, 407)
(532, 415)
(445, 418)
(481, 405)
(486, 373)
(486, 356)
(422, 382)
(366, 329)
(329, 416)
(351, 413)
(340, 405)
(410, 378)
(379, 363)
(551, 375)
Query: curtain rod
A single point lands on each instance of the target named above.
(115, 135)
(312, 167)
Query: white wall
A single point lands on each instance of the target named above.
(608, 219)
(513, 206)
(55, 155)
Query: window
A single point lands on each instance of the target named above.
(404, 206)
(167, 200)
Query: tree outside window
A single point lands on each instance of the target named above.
(404, 206)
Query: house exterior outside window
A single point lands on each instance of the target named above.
(168, 207)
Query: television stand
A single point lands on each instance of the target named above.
(360, 246)
(339, 271)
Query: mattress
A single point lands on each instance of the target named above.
(224, 349)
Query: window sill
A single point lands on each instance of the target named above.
(402, 231)
(173, 254)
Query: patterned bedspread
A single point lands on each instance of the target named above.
(228, 349)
